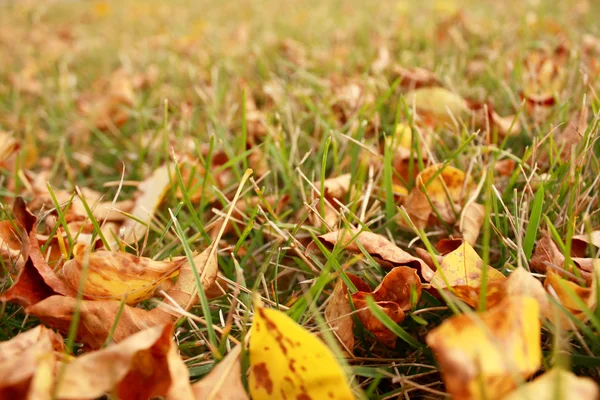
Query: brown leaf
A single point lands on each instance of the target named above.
(338, 315)
(581, 243)
(145, 365)
(224, 380)
(484, 352)
(561, 289)
(24, 362)
(414, 78)
(471, 221)
(37, 280)
(522, 283)
(505, 167)
(114, 275)
(98, 317)
(547, 256)
(393, 295)
(386, 253)
(10, 243)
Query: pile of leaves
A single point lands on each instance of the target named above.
(213, 206)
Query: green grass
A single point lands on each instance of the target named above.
(273, 72)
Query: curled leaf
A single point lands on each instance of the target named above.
(145, 365)
(386, 253)
(482, 356)
(287, 361)
(394, 295)
(568, 294)
(98, 317)
(338, 315)
(117, 275)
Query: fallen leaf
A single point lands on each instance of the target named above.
(489, 350)
(152, 192)
(116, 275)
(471, 221)
(386, 253)
(462, 270)
(561, 289)
(144, 365)
(438, 103)
(8, 146)
(446, 193)
(287, 361)
(415, 78)
(547, 256)
(333, 189)
(98, 317)
(224, 380)
(581, 243)
(521, 283)
(24, 364)
(557, 384)
(393, 296)
(10, 242)
(338, 314)
(505, 167)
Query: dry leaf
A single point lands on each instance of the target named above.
(462, 269)
(393, 296)
(10, 243)
(24, 362)
(386, 253)
(287, 361)
(522, 283)
(114, 275)
(489, 350)
(446, 192)
(471, 221)
(333, 188)
(557, 384)
(581, 243)
(98, 317)
(437, 103)
(145, 365)
(415, 78)
(224, 380)
(547, 256)
(8, 146)
(338, 315)
(561, 289)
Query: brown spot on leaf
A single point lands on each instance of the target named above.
(262, 377)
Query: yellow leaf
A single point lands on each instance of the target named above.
(287, 361)
(438, 102)
(114, 275)
(491, 351)
(462, 269)
(557, 384)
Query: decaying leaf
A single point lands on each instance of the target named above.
(521, 283)
(338, 315)
(581, 243)
(547, 256)
(333, 189)
(152, 191)
(386, 253)
(557, 384)
(287, 361)
(415, 78)
(36, 280)
(10, 242)
(484, 356)
(145, 365)
(394, 295)
(564, 290)
(440, 195)
(437, 103)
(24, 362)
(471, 220)
(224, 382)
(98, 317)
(461, 270)
(114, 275)
(8, 146)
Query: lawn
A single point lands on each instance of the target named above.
(414, 187)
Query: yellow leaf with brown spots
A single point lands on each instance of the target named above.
(491, 351)
(117, 275)
(462, 270)
(289, 362)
